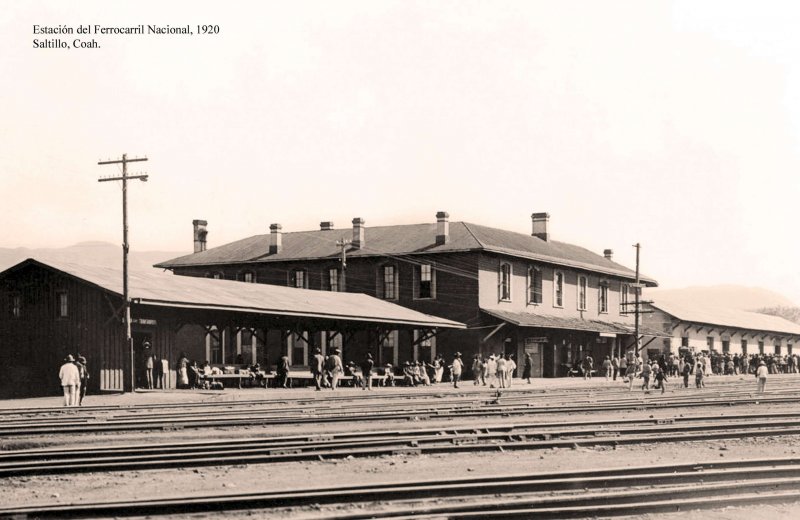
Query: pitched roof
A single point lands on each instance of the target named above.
(530, 319)
(406, 239)
(734, 318)
(153, 287)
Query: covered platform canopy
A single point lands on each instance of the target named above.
(159, 289)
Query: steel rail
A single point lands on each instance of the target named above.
(713, 478)
(32, 462)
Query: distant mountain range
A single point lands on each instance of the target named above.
(88, 253)
(717, 296)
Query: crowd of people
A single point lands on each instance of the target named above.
(688, 365)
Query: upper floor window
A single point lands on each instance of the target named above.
(63, 304)
(623, 298)
(534, 285)
(16, 305)
(387, 285)
(602, 297)
(249, 277)
(558, 289)
(298, 279)
(333, 280)
(583, 286)
(425, 286)
(504, 284)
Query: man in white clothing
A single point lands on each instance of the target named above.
(70, 381)
(761, 377)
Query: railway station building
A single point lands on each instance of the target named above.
(51, 309)
(707, 329)
(516, 292)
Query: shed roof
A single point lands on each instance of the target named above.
(405, 240)
(733, 318)
(157, 288)
(530, 319)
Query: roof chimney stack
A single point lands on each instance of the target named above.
(326, 226)
(358, 233)
(539, 221)
(274, 239)
(200, 233)
(442, 228)
(608, 253)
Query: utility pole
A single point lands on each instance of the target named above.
(343, 243)
(636, 299)
(637, 302)
(126, 303)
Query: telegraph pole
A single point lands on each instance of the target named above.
(636, 293)
(343, 243)
(126, 303)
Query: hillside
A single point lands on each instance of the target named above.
(91, 253)
(722, 296)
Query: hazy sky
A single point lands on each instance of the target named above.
(674, 124)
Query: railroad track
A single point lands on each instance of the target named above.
(570, 494)
(366, 408)
(500, 437)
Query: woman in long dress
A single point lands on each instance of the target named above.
(183, 371)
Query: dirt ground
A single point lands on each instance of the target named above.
(148, 484)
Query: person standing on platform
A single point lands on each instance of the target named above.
(501, 371)
(183, 371)
(608, 368)
(70, 380)
(527, 367)
(511, 365)
(83, 372)
(477, 370)
(163, 376)
(149, 364)
(334, 367)
(761, 377)
(282, 371)
(366, 371)
(687, 371)
(588, 366)
(491, 371)
(317, 366)
(456, 368)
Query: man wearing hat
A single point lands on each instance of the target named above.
(761, 376)
(83, 370)
(456, 368)
(70, 379)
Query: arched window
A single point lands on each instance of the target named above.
(583, 287)
(534, 285)
(558, 289)
(504, 282)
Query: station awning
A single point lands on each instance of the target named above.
(603, 328)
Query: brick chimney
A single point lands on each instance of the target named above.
(274, 239)
(442, 228)
(539, 221)
(358, 233)
(326, 226)
(200, 233)
(608, 253)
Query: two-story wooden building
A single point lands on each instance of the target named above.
(517, 292)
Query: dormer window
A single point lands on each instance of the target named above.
(504, 282)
